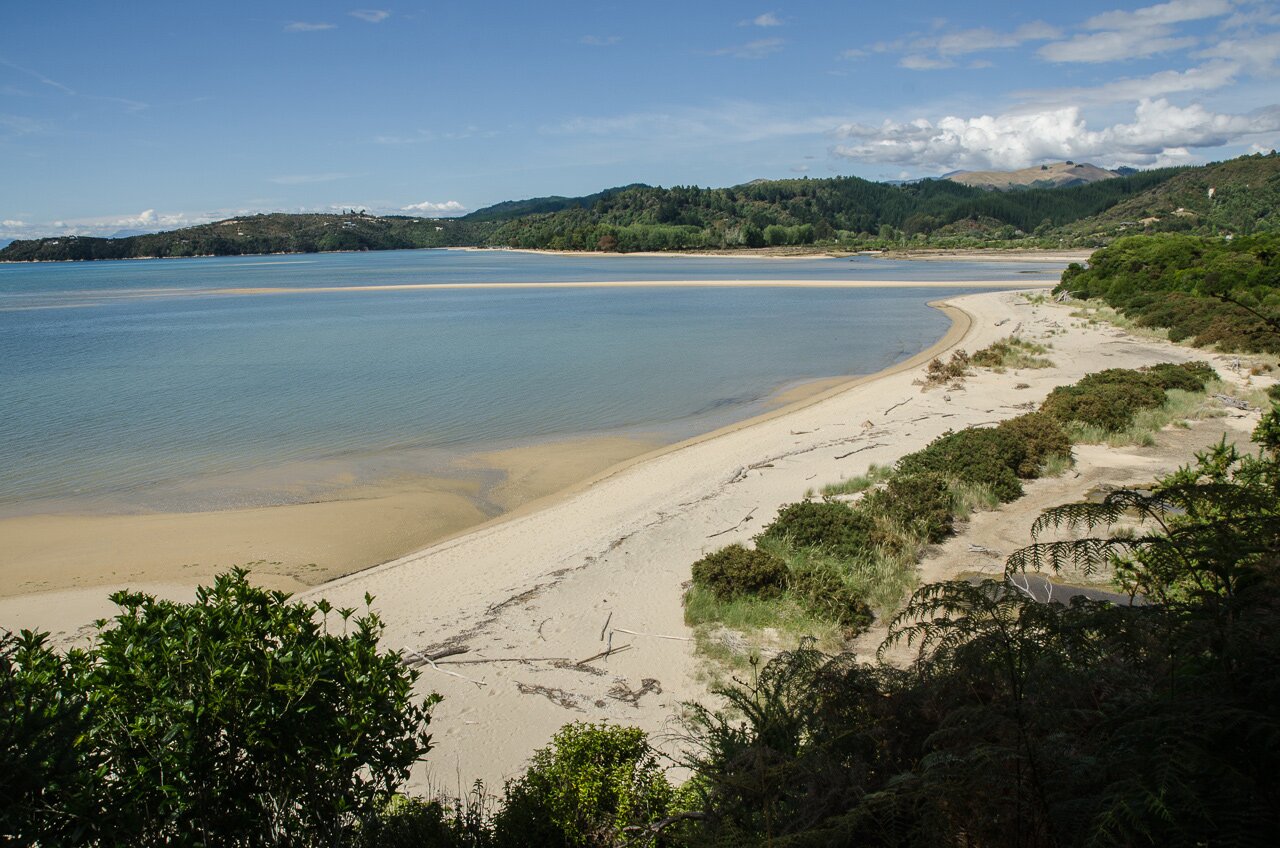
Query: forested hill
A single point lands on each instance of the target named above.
(254, 234)
(777, 212)
(839, 213)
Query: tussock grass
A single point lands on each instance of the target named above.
(1012, 352)
(1057, 465)
(853, 485)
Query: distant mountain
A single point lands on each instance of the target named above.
(509, 209)
(1058, 175)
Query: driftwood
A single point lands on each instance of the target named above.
(653, 635)
(860, 450)
(1234, 402)
(745, 519)
(606, 625)
(896, 405)
(605, 653)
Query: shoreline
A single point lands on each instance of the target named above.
(182, 549)
(527, 593)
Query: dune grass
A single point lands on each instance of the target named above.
(853, 485)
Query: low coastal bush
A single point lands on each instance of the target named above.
(988, 457)
(1042, 437)
(921, 504)
(1185, 376)
(1107, 399)
(830, 525)
(739, 570)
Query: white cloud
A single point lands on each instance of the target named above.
(757, 49)
(306, 179)
(1160, 133)
(1258, 53)
(304, 26)
(1208, 77)
(9, 222)
(918, 62)
(1161, 15)
(373, 16)
(768, 19)
(447, 209)
(1112, 47)
(599, 40)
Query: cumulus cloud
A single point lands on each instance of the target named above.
(448, 208)
(1160, 133)
(373, 16)
(757, 49)
(1112, 47)
(12, 224)
(304, 26)
(768, 19)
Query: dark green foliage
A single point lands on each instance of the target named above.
(234, 720)
(1185, 376)
(829, 525)
(47, 771)
(987, 457)
(584, 790)
(1107, 399)
(1030, 723)
(408, 822)
(1209, 291)
(1042, 436)
(919, 503)
(738, 570)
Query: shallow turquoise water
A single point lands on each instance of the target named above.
(122, 387)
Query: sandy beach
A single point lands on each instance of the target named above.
(560, 578)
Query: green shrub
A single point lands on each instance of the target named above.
(919, 503)
(240, 717)
(1274, 392)
(1012, 352)
(47, 766)
(1107, 399)
(987, 457)
(1187, 376)
(584, 789)
(1042, 437)
(938, 373)
(738, 570)
(830, 525)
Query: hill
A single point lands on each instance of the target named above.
(255, 234)
(508, 209)
(1058, 175)
(1239, 196)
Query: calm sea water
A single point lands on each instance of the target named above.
(123, 386)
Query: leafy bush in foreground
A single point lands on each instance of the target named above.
(830, 525)
(1186, 376)
(591, 783)
(234, 720)
(738, 570)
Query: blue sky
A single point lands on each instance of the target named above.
(147, 115)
